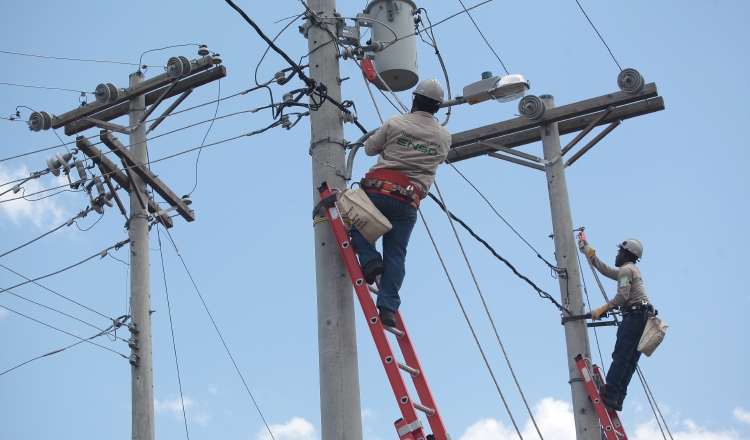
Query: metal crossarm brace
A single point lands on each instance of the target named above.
(144, 173)
(109, 167)
(611, 425)
(409, 424)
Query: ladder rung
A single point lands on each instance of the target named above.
(429, 411)
(399, 334)
(413, 371)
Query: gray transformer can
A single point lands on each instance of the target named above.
(397, 63)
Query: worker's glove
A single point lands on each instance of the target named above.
(596, 314)
(585, 249)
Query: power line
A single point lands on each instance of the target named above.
(597, 33)
(63, 331)
(468, 321)
(67, 59)
(56, 293)
(489, 315)
(171, 328)
(216, 327)
(63, 313)
(102, 254)
(218, 100)
(541, 292)
(503, 219)
(455, 15)
(67, 223)
(44, 87)
(485, 39)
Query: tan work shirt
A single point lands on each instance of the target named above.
(413, 144)
(630, 289)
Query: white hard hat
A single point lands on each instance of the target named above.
(430, 88)
(633, 246)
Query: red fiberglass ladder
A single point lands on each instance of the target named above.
(409, 427)
(611, 424)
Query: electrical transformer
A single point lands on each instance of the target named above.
(392, 20)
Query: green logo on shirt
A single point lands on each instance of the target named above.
(416, 147)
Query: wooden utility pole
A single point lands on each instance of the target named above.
(340, 413)
(136, 178)
(498, 140)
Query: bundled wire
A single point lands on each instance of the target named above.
(541, 292)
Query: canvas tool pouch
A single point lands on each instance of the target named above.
(357, 207)
(653, 334)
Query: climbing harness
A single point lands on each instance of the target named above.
(409, 427)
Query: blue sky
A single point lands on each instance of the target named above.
(677, 180)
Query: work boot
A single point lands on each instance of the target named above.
(372, 269)
(611, 403)
(386, 317)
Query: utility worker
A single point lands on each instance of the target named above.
(636, 309)
(409, 147)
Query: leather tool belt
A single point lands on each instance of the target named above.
(393, 184)
(642, 307)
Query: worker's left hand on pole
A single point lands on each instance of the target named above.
(585, 249)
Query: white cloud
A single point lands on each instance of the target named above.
(172, 407)
(554, 417)
(555, 420)
(738, 413)
(295, 429)
(42, 213)
(213, 390)
(651, 431)
(3, 313)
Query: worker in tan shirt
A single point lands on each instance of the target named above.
(409, 148)
(636, 309)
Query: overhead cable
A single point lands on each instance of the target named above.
(541, 292)
(67, 223)
(216, 327)
(43, 87)
(101, 254)
(63, 313)
(550, 265)
(468, 321)
(489, 315)
(600, 35)
(56, 293)
(63, 331)
(171, 328)
(485, 39)
(67, 59)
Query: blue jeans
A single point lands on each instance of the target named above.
(403, 218)
(626, 355)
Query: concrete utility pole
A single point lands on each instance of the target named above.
(140, 276)
(576, 333)
(340, 413)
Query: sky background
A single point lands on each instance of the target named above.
(677, 180)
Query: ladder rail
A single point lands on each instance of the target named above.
(611, 424)
(396, 379)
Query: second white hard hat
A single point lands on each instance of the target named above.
(430, 88)
(633, 246)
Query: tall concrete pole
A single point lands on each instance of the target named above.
(340, 411)
(576, 332)
(140, 281)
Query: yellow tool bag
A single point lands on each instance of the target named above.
(653, 334)
(357, 207)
